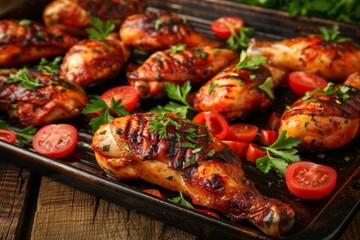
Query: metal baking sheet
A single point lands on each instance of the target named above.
(321, 219)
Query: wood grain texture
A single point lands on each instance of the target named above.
(13, 189)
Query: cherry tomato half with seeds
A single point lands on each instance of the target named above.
(239, 148)
(302, 82)
(242, 132)
(254, 152)
(55, 140)
(215, 122)
(223, 27)
(308, 180)
(7, 136)
(127, 94)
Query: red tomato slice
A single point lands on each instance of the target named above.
(308, 180)
(268, 137)
(215, 122)
(208, 212)
(238, 147)
(153, 192)
(7, 136)
(274, 120)
(55, 140)
(301, 82)
(254, 152)
(127, 94)
(242, 132)
(224, 26)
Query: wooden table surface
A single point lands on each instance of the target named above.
(37, 207)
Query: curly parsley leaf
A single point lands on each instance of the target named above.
(24, 79)
(98, 105)
(240, 40)
(181, 200)
(50, 67)
(249, 63)
(100, 29)
(279, 154)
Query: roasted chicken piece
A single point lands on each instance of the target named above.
(157, 148)
(92, 61)
(158, 30)
(325, 120)
(25, 41)
(73, 16)
(38, 98)
(196, 65)
(331, 60)
(236, 92)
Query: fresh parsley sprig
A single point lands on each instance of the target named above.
(249, 63)
(240, 40)
(22, 135)
(24, 79)
(180, 199)
(329, 90)
(50, 66)
(100, 30)
(179, 94)
(98, 105)
(160, 123)
(279, 154)
(332, 34)
(177, 48)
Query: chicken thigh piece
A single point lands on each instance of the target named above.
(23, 41)
(38, 98)
(205, 168)
(92, 61)
(325, 120)
(158, 30)
(196, 65)
(73, 16)
(331, 60)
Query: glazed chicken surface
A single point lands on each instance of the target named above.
(92, 61)
(196, 65)
(73, 16)
(199, 165)
(158, 30)
(43, 99)
(25, 41)
(325, 121)
(333, 61)
(237, 92)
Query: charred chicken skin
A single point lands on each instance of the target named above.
(158, 30)
(237, 92)
(41, 99)
(205, 168)
(92, 61)
(25, 41)
(196, 65)
(332, 60)
(325, 121)
(73, 16)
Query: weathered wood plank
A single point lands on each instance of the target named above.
(13, 190)
(66, 213)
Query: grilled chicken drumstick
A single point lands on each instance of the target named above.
(325, 120)
(25, 41)
(73, 17)
(196, 65)
(158, 30)
(332, 60)
(37, 98)
(157, 148)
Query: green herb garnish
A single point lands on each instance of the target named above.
(240, 40)
(25, 134)
(267, 87)
(50, 67)
(279, 154)
(249, 63)
(332, 34)
(177, 48)
(100, 30)
(329, 90)
(160, 123)
(181, 200)
(24, 79)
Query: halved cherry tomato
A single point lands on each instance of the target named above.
(238, 147)
(301, 82)
(208, 212)
(309, 180)
(154, 192)
(274, 120)
(268, 136)
(55, 140)
(224, 26)
(127, 94)
(254, 152)
(242, 132)
(7, 136)
(215, 122)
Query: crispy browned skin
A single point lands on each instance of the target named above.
(334, 61)
(324, 121)
(54, 100)
(214, 181)
(196, 65)
(235, 92)
(73, 15)
(91, 61)
(25, 41)
(158, 30)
